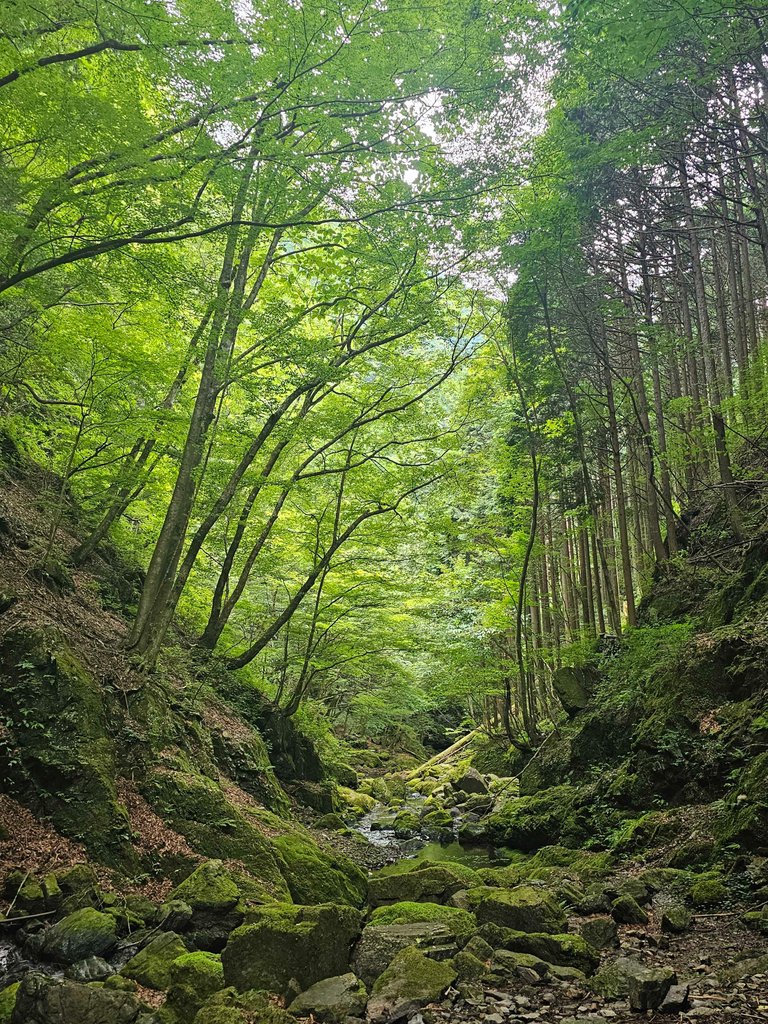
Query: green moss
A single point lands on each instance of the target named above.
(708, 889)
(358, 803)
(565, 950)
(528, 823)
(521, 909)
(315, 877)
(232, 1007)
(282, 941)
(461, 922)
(85, 933)
(7, 1002)
(209, 887)
(468, 967)
(410, 981)
(151, 965)
(425, 882)
(194, 978)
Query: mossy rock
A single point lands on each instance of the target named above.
(194, 977)
(427, 883)
(411, 981)
(406, 824)
(196, 806)
(744, 819)
(468, 967)
(332, 999)
(331, 822)
(459, 922)
(209, 887)
(85, 933)
(44, 1000)
(528, 823)
(564, 950)
(757, 921)
(232, 1007)
(379, 944)
(283, 942)
(7, 1002)
(708, 889)
(151, 965)
(521, 909)
(315, 877)
(242, 756)
(355, 802)
(675, 919)
(612, 981)
(59, 757)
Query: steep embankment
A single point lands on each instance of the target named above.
(158, 868)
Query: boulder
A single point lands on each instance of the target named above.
(93, 968)
(332, 999)
(379, 944)
(151, 965)
(561, 950)
(459, 922)
(626, 910)
(232, 1007)
(648, 988)
(676, 1000)
(209, 887)
(411, 981)
(600, 932)
(675, 919)
(314, 877)
(612, 982)
(85, 933)
(430, 883)
(174, 916)
(44, 1000)
(193, 978)
(574, 687)
(523, 909)
(284, 943)
(471, 781)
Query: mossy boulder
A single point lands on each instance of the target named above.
(564, 950)
(380, 943)
(468, 967)
(406, 824)
(675, 919)
(315, 877)
(574, 687)
(209, 887)
(194, 977)
(355, 802)
(522, 909)
(429, 883)
(151, 965)
(283, 942)
(44, 1000)
(708, 889)
(508, 962)
(528, 823)
(232, 1007)
(612, 981)
(411, 981)
(331, 822)
(87, 932)
(332, 999)
(599, 932)
(459, 922)
(744, 819)
(59, 756)
(242, 755)
(626, 910)
(7, 1002)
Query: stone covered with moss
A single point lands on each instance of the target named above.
(428, 883)
(232, 1007)
(151, 965)
(460, 922)
(332, 999)
(315, 877)
(564, 950)
(7, 1002)
(194, 977)
(87, 932)
(522, 909)
(380, 943)
(283, 942)
(411, 981)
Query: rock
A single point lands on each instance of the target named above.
(406, 824)
(574, 687)
(7, 1002)
(647, 988)
(232, 1007)
(332, 999)
(44, 1000)
(458, 922)
(331, 822)
(209, 887)
(411, 981)
(93, 968)
(626, 910)
(85, 933)
(565, 950)
(513, 962)
(600, 932)
(612, 982)
(431, 883)
(379, 944)
(468, 967)
(707, 890)
(471, 781)
(522, 909)
(151, 965)
(676, 1000)
(320, 796)
(174, 916)
(757, 921)
(193, 978)
(283, 942)
(675, 919)
(314, 877)
(478, 947)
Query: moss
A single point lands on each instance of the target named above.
(528, 823)
(242, 756)
(57, 753)
(521, 909)
(151, 965)
(468, 967)
(315, 877)
(405, 824)
(331, 822)
(357, 803)
(231, 1007)
(565, 950)
(626, 910)
(209, 887)
(194, 978)
(460, 922)
(708, 889)
(7, 1002)
(282, 942)
(432, 883)
(196, 806)
(85, 933)
(411, 980)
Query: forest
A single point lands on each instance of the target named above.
(383, 511)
